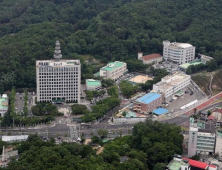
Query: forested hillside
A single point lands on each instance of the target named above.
(107, 29)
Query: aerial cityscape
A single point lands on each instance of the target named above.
(117, 85)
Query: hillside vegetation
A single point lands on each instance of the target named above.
(106, 29)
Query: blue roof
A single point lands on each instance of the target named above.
(148, 98)
(160, 111)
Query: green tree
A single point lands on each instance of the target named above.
(78, 109)
(102, 133)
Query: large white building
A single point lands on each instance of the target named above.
(58, 80)
(178, 53)
(171, 84)
(113, 70)
(201, 139)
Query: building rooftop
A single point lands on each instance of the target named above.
(186, 65)
(148, 98)
(151, 56)
(3, 103)
(113, 66)
(180, 45)
(160, 111)
(205, 57)
(92, 82)
(197, 164)
(211, 117)
(171, 80)
(174, 165)
(209, 128)
(56, 62)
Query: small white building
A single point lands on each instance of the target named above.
(204, 59)
(93, 85)
(113, 70)
(3, 104)
(15, 138)
(151, 58)
(178, 53)
(171, 84)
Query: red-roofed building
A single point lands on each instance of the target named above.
(182, 163)
(196, 164)
(218, 110)
(211, 118)
(147, 59)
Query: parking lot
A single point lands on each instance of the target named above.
(167, 65)
(19, 101)
(191, 93)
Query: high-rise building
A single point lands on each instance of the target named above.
(178, 53)
(58, 80)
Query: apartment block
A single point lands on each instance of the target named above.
(58, 80)
(113, 70)
(178, 53)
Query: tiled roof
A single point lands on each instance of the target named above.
(151, 56)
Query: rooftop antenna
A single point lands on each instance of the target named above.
(57, 52)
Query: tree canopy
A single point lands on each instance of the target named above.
(107, 29)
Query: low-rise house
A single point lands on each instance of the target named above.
(182, 163)
(93, 85)
(148, 59)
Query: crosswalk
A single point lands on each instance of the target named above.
(73, 132)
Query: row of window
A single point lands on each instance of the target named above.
(60, 69)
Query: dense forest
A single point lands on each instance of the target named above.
(151, 146)
(107, 29)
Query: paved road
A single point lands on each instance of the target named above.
(61, 129)
(185, 117)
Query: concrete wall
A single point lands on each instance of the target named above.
(128, 120)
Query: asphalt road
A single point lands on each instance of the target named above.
(114, 130)
(183, 118)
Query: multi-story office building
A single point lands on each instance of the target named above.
(171, 84)
(58, 80)
(201, 139)
(113, 70)
(148, 103)
(3, 104)
(178, 53)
